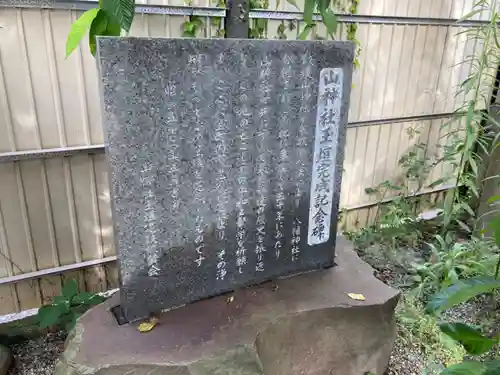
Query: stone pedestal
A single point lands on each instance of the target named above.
(302, 325)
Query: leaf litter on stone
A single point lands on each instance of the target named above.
(356, 296)
(148, 325)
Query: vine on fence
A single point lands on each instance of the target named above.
(115, 17)
(191, 28)
(258, 26)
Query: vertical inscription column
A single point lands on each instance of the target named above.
(221, 133)
(195, 65)
(325, 152)
(173, 158)
(244, 171)
(147, 178)
(282, 170)
(262, 160)
(301, 147)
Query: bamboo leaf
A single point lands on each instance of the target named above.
(473, 166)
(495, 227)
(464, 226)
(294, 3)
(468, 208)
(330, 21)
(78, 29)
(305, 32)
(308, 12)
(323, 5)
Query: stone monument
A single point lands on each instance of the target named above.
(225, 160)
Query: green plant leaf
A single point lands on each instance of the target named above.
(308, 12)
(461, 292)
(473, 166)
(72, 321)
(59, 300)
(86, 298)
(323, 5)
(465, 368)
(495, 227)
(49, 315)
(294, 3)
(305, 32)
(464, 226)
(330, 21)
(70, 289)
(78, 29)
(189, 27)
(492, 367)
(471, 339)
(493, 199)
(104, 25)
(121, 10)
(438, 182)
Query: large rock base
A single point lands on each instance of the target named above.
(302, 325)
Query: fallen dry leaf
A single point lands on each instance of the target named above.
(357, 297)
(147, 326)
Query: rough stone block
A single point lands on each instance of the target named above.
(303, 325)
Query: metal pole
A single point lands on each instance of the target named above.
(237, 20)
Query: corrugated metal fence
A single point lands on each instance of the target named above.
(54, 200)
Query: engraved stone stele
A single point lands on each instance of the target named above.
(302, 325)
(225, 160)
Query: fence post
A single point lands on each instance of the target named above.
(237, 21)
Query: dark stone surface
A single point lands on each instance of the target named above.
(302, 325)
(211, 146)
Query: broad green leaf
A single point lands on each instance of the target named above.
(95, 300)
(49, 315)
(461, 292)
(121, 10)
(78, 28)
(308, 11)
(72, 321)
(471, 339)
(104, 25)
(330, 21)
(492, 367)
(465, 368)
(70, 289)
(305, 32)
(86, 298)
(58, 300)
